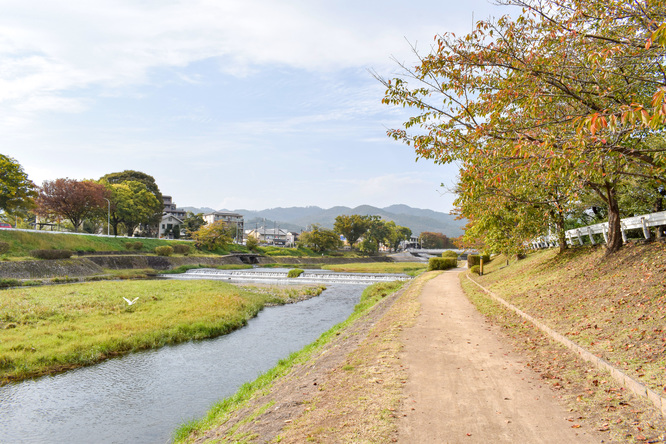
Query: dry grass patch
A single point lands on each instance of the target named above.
(358, 400)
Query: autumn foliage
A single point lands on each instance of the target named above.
(71, 199)
(565, 99)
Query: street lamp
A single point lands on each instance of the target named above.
(108, 216)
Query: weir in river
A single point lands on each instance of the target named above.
(279, 276)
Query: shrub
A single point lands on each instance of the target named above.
(472, 260)
(4, 247)
(164, 251)
(475, 259)
(442, 263)
(63, 280)
(137, 245)
(129, 245)
(8, 282)
(475, 269)
(51, 254)
(450, 253)
(294, 273)
(181, 249)
(252, 243)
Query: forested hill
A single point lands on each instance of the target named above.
(298, 218)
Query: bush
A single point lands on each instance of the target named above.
(8, 282)
(475, 269)
(442, 263)
(181, 249)
(252, 243)
(164, 251)
(450, 253)
(51, 254)
(472, 260)
(4, 247)
(294, 273)
(128, 245)
(137, 245)
(475, 259)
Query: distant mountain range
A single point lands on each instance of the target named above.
(298, 218)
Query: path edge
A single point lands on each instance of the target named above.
(631, 384)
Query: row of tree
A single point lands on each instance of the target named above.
(551, 114)
(373, 230)
(129, 199)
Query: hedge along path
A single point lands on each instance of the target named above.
(627, 381)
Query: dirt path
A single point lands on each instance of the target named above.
(466, 386)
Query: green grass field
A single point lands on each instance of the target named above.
(54, 328)
(22, 242)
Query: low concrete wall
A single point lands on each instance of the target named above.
(49, 268)
(93, 265)
(159, 262)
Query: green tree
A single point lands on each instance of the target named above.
(320, 239)
(252, 243)
(157, 205)
(377, 234)
(17, 192)
(396, 235)
(351, 227)
(212, 236)
(192, 222)
(132, 204)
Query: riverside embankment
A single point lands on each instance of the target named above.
(364, 386)
(95, 265)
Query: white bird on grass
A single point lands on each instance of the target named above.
(130, 302)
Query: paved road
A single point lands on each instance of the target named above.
(465, 385)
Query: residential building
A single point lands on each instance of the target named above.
(229, 218)
(274, 236)
(171, 209)
(168, 225)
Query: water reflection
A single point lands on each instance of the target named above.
(143, 397)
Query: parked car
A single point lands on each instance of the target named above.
(4, 225)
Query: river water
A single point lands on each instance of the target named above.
(144, 397)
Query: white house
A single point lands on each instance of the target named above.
(169, 223)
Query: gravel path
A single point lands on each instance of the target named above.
(466, 386)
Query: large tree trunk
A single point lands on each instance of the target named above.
(614, 228)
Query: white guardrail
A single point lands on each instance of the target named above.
(575, 236)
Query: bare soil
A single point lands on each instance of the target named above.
(466, 384)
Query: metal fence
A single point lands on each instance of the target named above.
(576, 235)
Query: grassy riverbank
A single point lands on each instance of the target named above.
(613, 306)
(50, 329)
(21, 243)
(255, 398)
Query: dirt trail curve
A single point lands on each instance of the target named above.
(466, 386)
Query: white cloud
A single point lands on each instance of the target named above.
(166, 86)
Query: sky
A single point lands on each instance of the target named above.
(228, 104)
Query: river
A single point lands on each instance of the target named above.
(144, 397)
